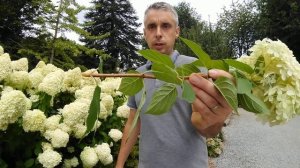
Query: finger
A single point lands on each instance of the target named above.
(207, 99)
(216, 73)
(198, 82)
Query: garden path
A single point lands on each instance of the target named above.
(250, 144)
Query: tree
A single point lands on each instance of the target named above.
(58, 50)
(191, 27)
(239, 24)
(118, 18)
(281, 20)
(17, 20)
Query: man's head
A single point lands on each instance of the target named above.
(161, 27)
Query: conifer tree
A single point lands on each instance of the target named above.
(118, 18)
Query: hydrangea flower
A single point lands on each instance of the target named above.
(90, 81)
(52, 83)
(72, 80)
(89, 157)
(49, 158)
(5, 66)
(86, 92)
(69, 163)
(108, 102)
(123, 111)
(18, 79)
(276, 78)
(115, 134)
(58, 138)
(52, 122)
(79, 130)
(76, 112)
(35, 78)
(46, 146)
(110, 86)
(33, 120)
(104, 153)
(20, 65)
(13, 105)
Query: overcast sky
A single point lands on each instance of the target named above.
(207, 9)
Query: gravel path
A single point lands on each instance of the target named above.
(250, 144)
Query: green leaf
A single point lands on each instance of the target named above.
(188, 93)
(219, 64)
(228, 90)
(131, 85)
(137, 114)
(156, 57)
(243, 86)
(93, 110)
(202, 55)
(162, 99)
(165, 73)
(187, 69)
(259, 65)
(29, 163)
(44, 103)
(251, 103)
(239, 65)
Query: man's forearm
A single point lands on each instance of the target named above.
(127, 142)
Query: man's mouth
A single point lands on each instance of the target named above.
(159, 45)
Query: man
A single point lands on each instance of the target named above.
(175, 139)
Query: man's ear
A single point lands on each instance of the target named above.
(144, 33)
(177, 31)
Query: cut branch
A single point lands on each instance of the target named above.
(129, 75)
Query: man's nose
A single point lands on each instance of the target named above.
(158, 32)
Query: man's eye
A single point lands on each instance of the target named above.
(166, 26)
(151, 27)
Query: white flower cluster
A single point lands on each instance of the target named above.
(33, 120)
(90, 156)
(115, 134)
(49, 158)
(123, 111)
(60, 125)
(13, 105)
(277, 79)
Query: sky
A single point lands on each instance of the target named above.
(207, 9)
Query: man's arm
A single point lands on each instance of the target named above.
(128, 143)
(210, 109)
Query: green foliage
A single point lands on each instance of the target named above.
(156, 57)
(228, 91)
(127, 83)
(93, 110)
(165, 73)
(192, 27)
(17, 20)
(280, 19)
(167, 93)
(119, 20)
(239, 25)
(188, 93)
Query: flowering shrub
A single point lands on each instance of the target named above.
(43, 116)
(276, 80)
(215, 145)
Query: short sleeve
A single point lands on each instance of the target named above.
(131, 102)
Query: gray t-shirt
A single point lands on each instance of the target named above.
(169, 140)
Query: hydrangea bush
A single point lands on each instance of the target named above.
(43, 116)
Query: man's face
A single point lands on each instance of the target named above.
(160, 31)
